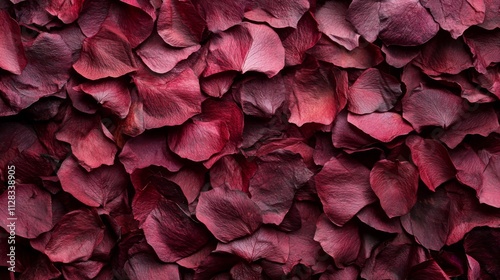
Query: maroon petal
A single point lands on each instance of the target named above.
(405, 23)
(342, 243)
(427, 270)
(456, 16)
(95, 188)
(256, 97)
(278, 14)
(106, 54)
(350, 272)
(143, 266)
(91, 136)
(13, 58)
(484, 46)
(83, 270)
(66, 11)
(362, 57)
(160, 57)
(331, 18)
(73, 238)
(348, 136)
(301, 39)
(111, 94)
(373, 91)
(489, 192)
(396, 185)
(375, 217)
(247, 47)
(399, 56)
(429, 220)
(179, 24)
(232, 172)
(148, 149)
(482, 245)
(469, 167)
(169, 99)
(314, 97)
(381, 126)
(228, 214)
(442, 54)
(364, 15)
(266, 243)
(221, 15)
(433, 161)
(343, 187)
(281, 168)
(33, 211)
(172, 234)
(246, 271)
(48, 69)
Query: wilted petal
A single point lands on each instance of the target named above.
(111, 94)
(262, 97)
(66, 11)
(381, 126)
(484, 46)
(228, 214)
(143, 266)
(221, 15)
(301, 39)
(331, 18)
(278, 14)
(179, 24)
(343, 187)
(13, 58)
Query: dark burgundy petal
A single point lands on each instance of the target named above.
(433, 161)
(73, 238)
(362, 57)
(13, 58)
(399, 56)
(278, 14)
(396, 185)
(233, 172)
(429, 220)
(228, 214)
(343, 187)
(48, 69)
(262, 97)
(106, 54)
(110, 94)
(442, 54)
(173, 234)
(160, 57)
(143, 266)
(82, 270)
(168, 99)
(432, 107)
(350, 272)
(66, 11)
(373, 91)
(469, 166)
(484, 46)
(33, 210)
(427, 270)
(221, 15)
(482, 245)
(266, 243)
(179, 24)
(246, 271)
(148, 149)
(364, 15)
(374, 216)
(405, 23)
(96, 188)
(393, 260)
(456, 16)
(348, 136)
(218, 84)
(281, 168)
(314, 97)
(332, 22)
(246, 47)
(91, 136)
(301, 39)
(42, 266)
(342, 243)
(381, 126)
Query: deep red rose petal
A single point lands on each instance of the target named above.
(342, 243)
(13, 57)
(110, 94)
(66, 11)
(427, 270)
(343, 187)
(484, 46)
(179, 24)
(262, 97)
(395, 184)
(266, 243)
(301, 39)
(145, 266)
(228, 214)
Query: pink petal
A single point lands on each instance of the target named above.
(343, 187)
(221, 15)
(381, 126)
(396, 185)
(278, 14)
(111, 94)
(13, 58)
(332, 22)
(66, 11)
(262, 97)
(301, 39)
(228, 214)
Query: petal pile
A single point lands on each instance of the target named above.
(250, 139)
